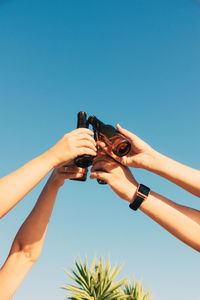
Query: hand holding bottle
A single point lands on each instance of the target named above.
(59, 175)
(141, 154)
(77, 142)
(116, 175)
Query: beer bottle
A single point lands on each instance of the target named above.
(85, 160)
(117, 143)
(100, 152)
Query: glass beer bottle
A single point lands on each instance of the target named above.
(85, 160)
(100, 152)
(117, 143)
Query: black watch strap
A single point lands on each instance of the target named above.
(141, 193)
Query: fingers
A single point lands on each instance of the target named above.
(103, 157)
(83, 130)
(104, 165)
(88, 144)
(73, 175)
(107, 150)
(83, 140)
(89, 151)
(125, 132)
(129, 135)
(72, 169)
(103, 146)
(101, 167)
(70, 172)
(100, 175)
(63, 176)
(82, 137)
(88, 138)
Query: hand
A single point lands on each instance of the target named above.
(73, 144)
(117, 176)
(59, 175)
(141, 154)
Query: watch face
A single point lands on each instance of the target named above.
(144, 189)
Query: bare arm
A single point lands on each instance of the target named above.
(181, 221)
(183, 176)
(29, 240)
(16, 185)
(143, 156)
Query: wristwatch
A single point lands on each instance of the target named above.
(141, 194)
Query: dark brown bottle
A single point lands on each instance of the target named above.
(85, 160)
(100, 152)
(116, 142)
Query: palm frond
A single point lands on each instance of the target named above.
(95, 283)
(134, 291)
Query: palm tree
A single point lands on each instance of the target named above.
(95, 283)
(134, 291)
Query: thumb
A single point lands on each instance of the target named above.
(129, 135)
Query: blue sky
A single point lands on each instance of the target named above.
(135, 62)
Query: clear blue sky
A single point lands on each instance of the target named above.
(136, 62)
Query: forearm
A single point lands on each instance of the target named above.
(181, 175)
(183, 222)
(31, 235)
(27, 244)
(16, 185)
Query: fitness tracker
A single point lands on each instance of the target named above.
(141, 194)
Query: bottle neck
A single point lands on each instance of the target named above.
(106, 130)
(82, 120)
(96, 123)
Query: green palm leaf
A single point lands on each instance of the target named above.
(134, 291)
(95, 283)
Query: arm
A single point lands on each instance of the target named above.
(181, 221)
(16, 185)
(29, 240)
(182, 175)
(143, 156)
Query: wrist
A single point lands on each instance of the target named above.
(132, 192)
(56, 180)
(54, 184)
(154, 161)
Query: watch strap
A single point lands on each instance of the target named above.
(141, 194)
